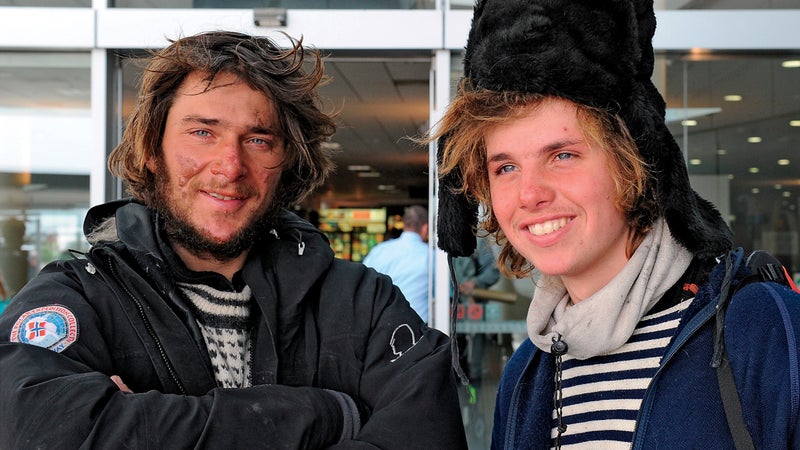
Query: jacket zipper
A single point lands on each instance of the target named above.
(511, 420)
(149, 328)
(692, 328)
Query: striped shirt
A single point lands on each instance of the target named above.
(602, 395)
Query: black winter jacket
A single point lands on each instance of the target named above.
(322, 325)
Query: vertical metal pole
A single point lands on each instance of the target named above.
(440, 97)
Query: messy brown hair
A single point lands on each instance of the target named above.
(476, 111)
(288, 77)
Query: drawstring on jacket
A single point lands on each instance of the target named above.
(558, 349)
(719, 340)
(453, 319)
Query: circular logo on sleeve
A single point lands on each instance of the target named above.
(53, 327)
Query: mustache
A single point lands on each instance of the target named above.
(229, 189)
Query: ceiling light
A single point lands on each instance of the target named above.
(369, 174)
(697, 53)
(787, 194)
(791, 64)
(73, 92)
(386, 187)
(722, 152)
(753, 170)
(778, 186)
(794, 123)
(754, 139)
(733, 98)
(695, 161)
(755, 190)
(331, 145)
(689, 123)
(359, 168)
(783, 162)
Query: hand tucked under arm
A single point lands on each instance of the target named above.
(120, 384)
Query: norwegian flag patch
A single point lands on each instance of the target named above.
(53, 327)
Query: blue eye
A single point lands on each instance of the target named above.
(563, 156)
(505, 168)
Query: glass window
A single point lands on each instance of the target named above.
(288, 4)
(687, 4)
(54, 3)
(737, 118)
(44, 166)
(725, 4)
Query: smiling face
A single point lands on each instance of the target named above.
(219, 169)
(554, 197)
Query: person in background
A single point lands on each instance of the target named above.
(644, 329)
(406, 259)
(14, 264)
(478, 270)
(205, 314)
(3, 294)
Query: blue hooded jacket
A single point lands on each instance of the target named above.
(682, 406)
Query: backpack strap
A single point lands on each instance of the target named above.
(733, 407)
(763, 267)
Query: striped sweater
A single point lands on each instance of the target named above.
(602, 395)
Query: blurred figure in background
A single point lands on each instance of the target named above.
(13, 259)
(477, 271)
(405, 259)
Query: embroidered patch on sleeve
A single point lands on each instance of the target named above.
(53, 327)
(403, 340)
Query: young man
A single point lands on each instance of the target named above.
(405, 259)
(559, 131)
(205, 315)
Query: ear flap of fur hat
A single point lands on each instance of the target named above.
(457, 215)
(598, 53)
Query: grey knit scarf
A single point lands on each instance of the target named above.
(606, 320)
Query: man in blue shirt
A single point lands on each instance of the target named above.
(405, 259)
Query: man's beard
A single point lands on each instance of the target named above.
(180, 231)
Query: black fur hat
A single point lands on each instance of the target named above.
(593, 52)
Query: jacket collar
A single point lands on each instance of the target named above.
(291, 239)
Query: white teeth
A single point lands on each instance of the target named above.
(540, 229)
(221, 197)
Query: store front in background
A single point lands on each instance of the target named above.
(353, 232)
